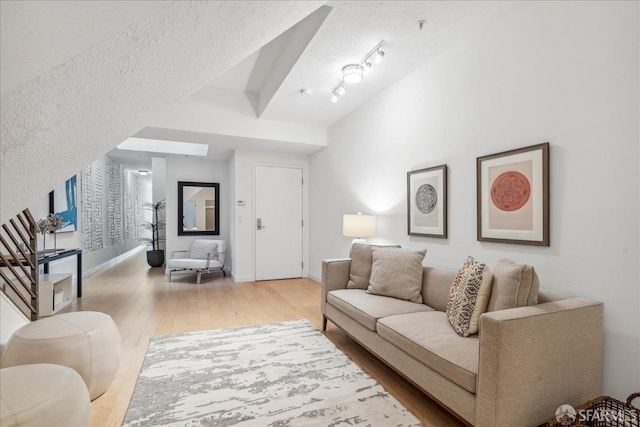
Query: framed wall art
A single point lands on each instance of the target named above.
(427, 202)
(63, 202)
(513, 196)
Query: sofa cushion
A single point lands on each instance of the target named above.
(513, 286)
(397, 273)
(366, 308)
(360, 270)
(469, 296)
(436, 284)
(429, 338)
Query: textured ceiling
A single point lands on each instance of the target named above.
(80, 77)
(39, 35)
(55, 124)
(349, 32)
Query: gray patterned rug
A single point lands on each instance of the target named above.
(279, 374)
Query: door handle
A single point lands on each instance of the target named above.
(259, 225)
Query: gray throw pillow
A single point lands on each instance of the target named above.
(360, 270)
(513, 286)
(200, 249)
(397, 273)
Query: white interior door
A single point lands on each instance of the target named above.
(278, 227)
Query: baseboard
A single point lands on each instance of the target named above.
(240, 279)
(314, 277)
(112, 261)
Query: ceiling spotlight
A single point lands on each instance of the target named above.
(143, 173)
(305, 92)
(378, 57)
(352, 73)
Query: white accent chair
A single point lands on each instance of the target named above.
(205, 256)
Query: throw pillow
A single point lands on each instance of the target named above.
(468, 297)
(360, 270)
(514, 286)
(200, 249)
(397, 273)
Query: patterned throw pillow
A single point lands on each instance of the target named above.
(200, 249)
(469, 296)
(397, 273)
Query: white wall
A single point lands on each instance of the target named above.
(244, 216)
(198, 170)
(563, 72)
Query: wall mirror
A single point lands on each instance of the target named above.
(198, 208)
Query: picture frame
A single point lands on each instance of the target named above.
(63, 201)
(513, 196)
(427, 202)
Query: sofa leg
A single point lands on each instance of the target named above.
(198, 278)
(324, 322)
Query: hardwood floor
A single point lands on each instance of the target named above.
(143, 304)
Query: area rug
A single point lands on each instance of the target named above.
(278, 374)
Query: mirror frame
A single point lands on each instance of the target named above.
(216, 190)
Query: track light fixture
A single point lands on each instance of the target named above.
(354, 73)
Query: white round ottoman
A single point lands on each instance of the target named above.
(43, 395)
(86, 341)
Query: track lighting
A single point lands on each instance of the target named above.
(354, 73)
(378, 57)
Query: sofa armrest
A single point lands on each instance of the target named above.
(335, 275)
(534, 359)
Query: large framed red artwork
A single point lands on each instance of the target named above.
(513, 196)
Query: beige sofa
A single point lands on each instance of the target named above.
(516, 372)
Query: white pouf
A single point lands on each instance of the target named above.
(86, 341)
(43, 395)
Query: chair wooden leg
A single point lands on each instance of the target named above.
(324, 322)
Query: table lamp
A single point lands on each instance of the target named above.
(358, 226)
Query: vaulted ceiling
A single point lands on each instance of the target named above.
(80, 77)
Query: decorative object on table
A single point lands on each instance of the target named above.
(603, 411)
(427, 202)
(358, 226)
(155, 257)
(513, 196)
(63, 203)
(57, 224)
(43, 226)
(285, 373)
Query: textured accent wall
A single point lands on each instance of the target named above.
(71, 114)
(92, 206)
(112, 205)
(114, 202)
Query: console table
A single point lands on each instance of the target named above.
(48, 257)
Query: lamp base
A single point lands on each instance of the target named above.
(361, 241)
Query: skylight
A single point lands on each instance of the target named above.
(167, 147)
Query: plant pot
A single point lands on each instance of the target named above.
(155, 258)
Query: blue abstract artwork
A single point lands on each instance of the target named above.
(63, 202)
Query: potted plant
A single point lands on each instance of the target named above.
(155, 257)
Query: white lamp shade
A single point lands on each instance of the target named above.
(359, 225)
